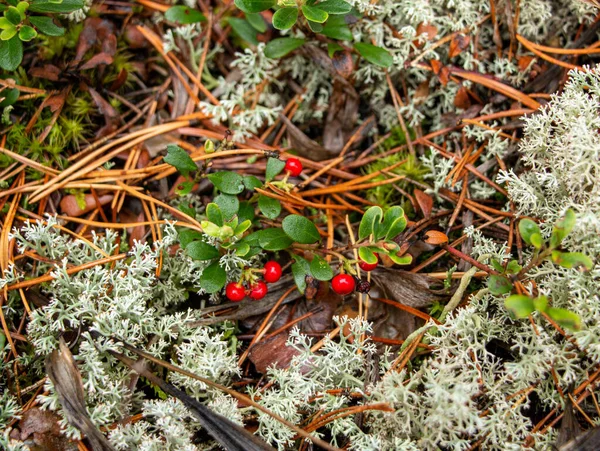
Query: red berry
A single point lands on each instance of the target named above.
(343, 284)
(235, 292)
(272, 272)
(368, 266)
(258, 290)
(293, 166)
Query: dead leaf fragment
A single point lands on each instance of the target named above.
(458, 43)
(70, 206)
(425, 202)
(435, 237)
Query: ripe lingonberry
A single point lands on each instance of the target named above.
(343, 284)
(368, 266)
(293, 166)
(235, 292)
(272, 272)
(258, 290)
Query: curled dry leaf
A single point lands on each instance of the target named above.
(435, 237)
(425, 202)
(458, 43)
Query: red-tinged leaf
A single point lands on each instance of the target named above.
(47, 72)
(462, 99)
(70, 206)
(343, 64)
(436, 65)
(425, 202)
(435, 237)
(458, 43)
(96, 60)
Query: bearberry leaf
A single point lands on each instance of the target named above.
(213, 278)
(315, 26)
(565, 318)
(572, 260)
(246, 212)
(46, 25)
(285, 18)
(519, 305)
(11, 53)
(335, 6)
(530, 232)
(179, 159)
(187, 209)
(513, 267)
(257, 22)
(273, 239)
(336, 28)
(243, 29)
(499, 284)
(320, 269)
(228, 204)
(369, 222)
(562, 228)
(300, 269)
(367, 255)
(214, 215)
(274, 167)
(183, 15)
(14, 15)
(269, 207)
(251, 182)
(401, 260)
(300, 229)
(375, 55)
(540, 303)
(186, 236)
(227, 182)
(254, 6)
(314, 14)
(199, 250)
(184, 188)
(279, 47)
(52, 6)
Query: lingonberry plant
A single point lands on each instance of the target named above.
(234, 240)
(18, 25)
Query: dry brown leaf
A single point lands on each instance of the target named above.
(458, 43)
(435, 237)
(425, 202)
(462, 99)
(70, 206)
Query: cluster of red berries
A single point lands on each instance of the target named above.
(344, 284)
(236, 292)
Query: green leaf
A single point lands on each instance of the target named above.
(251, 182)
(246, 212)
(572, 260)
(271, 208)
(541, 303)
(254, 6)
(257, 22)
(562, 228)
(499, 284)
(497, 265)
(335, 6)
(285, 18)
(214, 215)
(180, 160)
(183, 15)
(369, 222)
(333, 47)
(9, 97)
(22, 7)
(11, 53)
(5, 23)
(46, 26)
(519, 305)
(513, 267)
(227, 182)
(13, 15)
(274, 167)
(273, 239)
(279, 47)
(241, 249)
(199, 250)
(300, 229)
(8, 33)
(228, 204)
(320, 269)
(186, 236)
(315, 26)
(184, 188)
(565, 318)
(243, 29)
(300, 269)
(213, 278)
(402, 260)
(530, 232)
(374, 55)
(336, 28)
(242, 227)
(367, 255)
(314, 14)
(187, 209)
(50, 6)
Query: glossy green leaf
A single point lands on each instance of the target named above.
(241, 249)
(374, 55)
(333, 47)
(242, 227)
(9, 97)
(179, 159)
(369, 222)
(13, 15)
(335, 6)
(499, 284)
(243, 29)
(213, 278)
(183, 15)
(315, 26)
(199, 250)
(367, 255)
(186, 236)
(320, 269)
(572, 260)
(227, 182)
(279, 47)
(11, 53)
(228, 204)
(184, 188)
(251, 182)
(513, 267)
(274, 167)
(314, 14)
(246, 212)
(519, 305)
(214, 215)
(300, 229)
(257, 22)
(8, 33)
(269, 207)
(254, 6)
(402, 260)
(540, 303)
(27, 33)
(46, 25)
(530, 232)
(51, 6)
(300, 269)
(336, 28)
(565, 318)
(285, 18)
(273, 239)
(562, 228)
(22, 7)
